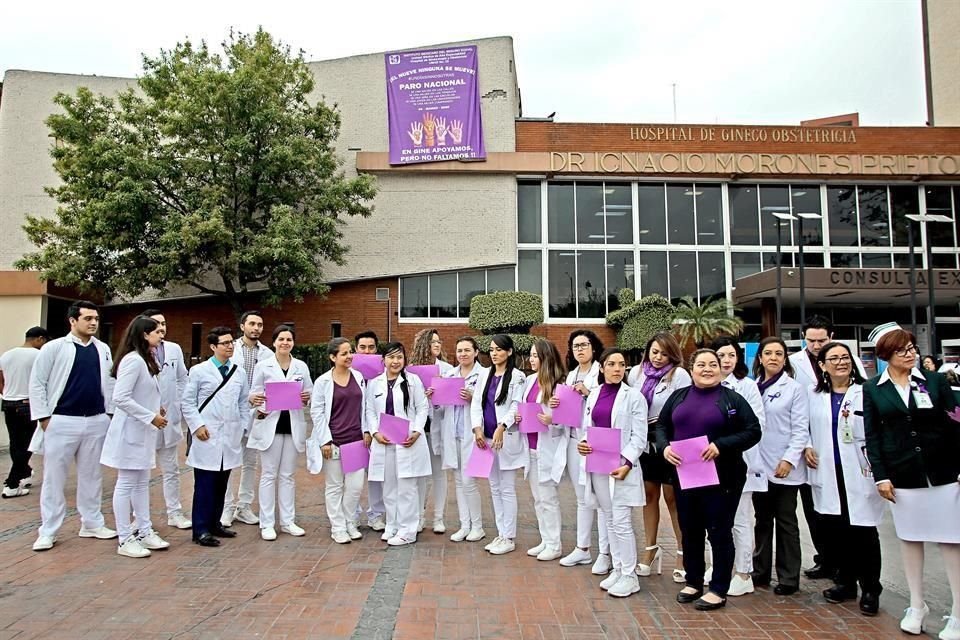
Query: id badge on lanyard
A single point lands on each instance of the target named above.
(922, 399)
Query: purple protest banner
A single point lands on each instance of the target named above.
(395, 429)
(446, 391)
(425, 372)
(529, 422)
(480, 462)
(570, 410)
(694, 471)
(283, 396)
(433, 105)
(354, 456)
(603, 461)
(370, 365)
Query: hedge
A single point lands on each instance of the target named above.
(521, 343)
(512, 312)
(315, 355)
(638, 320)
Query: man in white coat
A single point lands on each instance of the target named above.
(216, 407)
(173, 380)
(368, 342)
(70, 394)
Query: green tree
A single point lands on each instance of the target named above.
(638, 320)
(214, 172)
(702, 323)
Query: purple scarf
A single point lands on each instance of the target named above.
(763, 385)
(651, 378)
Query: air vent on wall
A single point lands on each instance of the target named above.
(383, 294)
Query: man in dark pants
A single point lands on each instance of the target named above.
(15, 367)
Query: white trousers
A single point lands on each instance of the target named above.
(278, 464)
(341, 494)
(546, 504)
(375, 499)
(585, 515)
(468, 495)
(400, 497)
(132, 492)
(169, 462)
(503, 490)
(619, 519)
(439, 480)
(248, 479)
(743, 535)
(72, 439)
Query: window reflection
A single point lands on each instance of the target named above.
(590, 214)
(619, 276)
(560, 222)
(618, 209)
(443, 295)
(842, 215)
(472, 283)
(774, 199)
(591, 290)
(653, 273)
(413, 297)
(680, 213)
(529, 272)
(874, 217)
(652, 212)
(683, 275)
(528, 212)
(709, 214)
(713, 279)
(744, 212)
(562, 296)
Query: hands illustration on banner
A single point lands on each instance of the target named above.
(442, 132)
(428, 127)
(416, 133)
(456, 131)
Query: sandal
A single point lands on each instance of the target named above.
(679, 575)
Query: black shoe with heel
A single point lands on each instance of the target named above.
(687, 598)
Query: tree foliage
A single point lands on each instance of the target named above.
(638, 320)
(215, 172)
(702, 323)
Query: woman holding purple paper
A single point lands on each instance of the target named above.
(724, 417)
(614, 405)
(279, 435)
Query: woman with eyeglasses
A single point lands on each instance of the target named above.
(786, 434)
(844, 495)
(913, 436)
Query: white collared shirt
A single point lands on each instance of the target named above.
(904, 392)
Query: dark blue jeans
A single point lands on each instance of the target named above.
(209, 489)
(708, 512)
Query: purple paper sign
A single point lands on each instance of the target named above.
(570, 410)
(446, 391)
(433, 105)
(283, 396)
(370, 365)
(480, 462)
(529, 422)
(604, 439)
(425, 372)
(603, 461)
(354, 456)
(395, 429)
(694, 471)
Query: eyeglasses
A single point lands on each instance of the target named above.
(224, 344)
(907, 350)
(838, 359)
(580, 346)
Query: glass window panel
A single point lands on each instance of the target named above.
(944, 261)
(938, 203)
(904, 201)
(842, 216)
(874, 221)
(653, 273)
(618, 206)
(591, 290)
(956, 214)
(810, 259)
(875, 260)
(651, 206)
(744, 223)
(590, 214)
(680, 214)
(413, 297)
(472, 283)
(709, 214)
(744, 264)
(500, 279)
(443, 295)
(770, 260)
(845, 260)
(528, 212)
(806, 199)
(562, 297)
(560, 227)
(713, 279)
(774, 199)
(902, 261)
(619, 276)
(683, 275)
(529, 272)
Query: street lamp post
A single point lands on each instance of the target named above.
(803, 298)
(931, 299)
(783, 217)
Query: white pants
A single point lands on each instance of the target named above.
(400, 497)
(546, 504)
(278, 464)
(619, 518)
(375, 499)
(132, 492)
(169, 462)
(248, 478)
(585, 515)
(439, 480)
(503, 490)
(341, 494)
(743, 535)
(468, 495)
(72, 439)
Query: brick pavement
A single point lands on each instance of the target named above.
(311, 587)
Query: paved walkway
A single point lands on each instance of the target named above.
(311, 587)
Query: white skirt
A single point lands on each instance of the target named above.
(931, 514)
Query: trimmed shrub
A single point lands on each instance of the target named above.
(521, 343)
(315, 355)
(638, 320)
(512, 312)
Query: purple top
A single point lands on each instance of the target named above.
(489, 408)
(836, 400)
(602, 415)
(698, 414)
(388, 409)
(345, 413)
(532, 397)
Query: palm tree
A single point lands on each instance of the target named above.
(702, 323)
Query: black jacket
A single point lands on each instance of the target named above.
(741, 431)
(908, 447)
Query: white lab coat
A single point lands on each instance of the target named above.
(131, 439)
(173, 381)
(414, 461)
(629, 415)
(224, 417)
(321, 405)
(551, 444)
(447, 417)
(263, 430)
(863, 502)
(786, 432)
(804, 373)
(747, 388)
(515, 453)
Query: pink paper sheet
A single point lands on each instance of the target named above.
(529, 423)
(395, 429)
(425, 372)
(480, 462)
(446, 391)
(354, 456)
(370, 365)
(570, 410)
(693, 471)
(283, 396)
(604, 439)
(603, 461)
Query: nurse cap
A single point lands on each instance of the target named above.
(881, 330)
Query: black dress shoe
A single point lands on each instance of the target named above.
(785, 590)
(759, 581)
(706, 605)
(206, 540)
(221, 532)
(687, 598)
(840, 593)
(819, 572)
(869, 603)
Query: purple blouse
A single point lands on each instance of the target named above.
(345, 412)
(489, 408)
(603, 410)
(532, 397)
(698, 414)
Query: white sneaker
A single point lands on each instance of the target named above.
(740, 586)
(227, 517)
(268, 533)
(609, 581)
(44, 542)
(340, 537)
(292, 529)
(15, 492)
(460, 535)
(399, 541)
(952, 630)
(353, 531)
(153, 541)
(626, 586)
(476, 535)
(575, 557)
(549, 554)
(178, 520)
(535, 551)
(420, 526)
(506, 546)
(246, 515)
(26, 483)
(387, 535)
(602, 566)
(912, 621)
(101, 533)
(707, 576)
(439, 527)
(491, 544)
(132, 549)
(378, 522)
